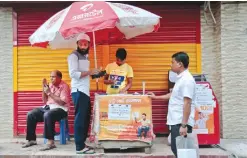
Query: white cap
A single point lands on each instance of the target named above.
(83, 37)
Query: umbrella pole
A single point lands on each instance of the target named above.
(95, 60)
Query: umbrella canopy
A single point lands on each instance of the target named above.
(103, 21)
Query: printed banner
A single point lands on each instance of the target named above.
(205, 104)
(125, 117)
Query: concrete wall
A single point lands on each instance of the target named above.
(234, 74)
(224, 58)
(6, 73)
(211, 49)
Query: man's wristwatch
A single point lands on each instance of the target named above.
(184, 125)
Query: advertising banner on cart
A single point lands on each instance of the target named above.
(126, 117)
(205, 104)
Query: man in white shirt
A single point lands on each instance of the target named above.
(79, 72)
(181, 108)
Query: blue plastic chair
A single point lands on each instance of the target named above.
(64, 132)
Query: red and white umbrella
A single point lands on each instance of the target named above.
(103, 21)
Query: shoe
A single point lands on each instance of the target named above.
(29, 143)
(48, 147)
(86, 150)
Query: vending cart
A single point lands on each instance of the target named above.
(122, 122)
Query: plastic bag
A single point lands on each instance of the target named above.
(169, 139)
(187, 147)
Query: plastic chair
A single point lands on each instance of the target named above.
(64, 132)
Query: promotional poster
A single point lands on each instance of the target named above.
(126, 117)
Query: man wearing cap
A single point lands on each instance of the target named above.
(79, 73)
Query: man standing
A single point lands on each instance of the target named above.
(79, 72)
(56, 97)
(181, 108)
(119, 74)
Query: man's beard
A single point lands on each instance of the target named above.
(83, 51)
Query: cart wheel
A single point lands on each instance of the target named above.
(100, 151)
(147, 150)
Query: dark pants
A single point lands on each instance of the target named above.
(174, 134)
(49, 117)
(143, 129)
(82, 118)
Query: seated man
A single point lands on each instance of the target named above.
(56, 97)
(145, 126)
(119, 74)
(201, 123)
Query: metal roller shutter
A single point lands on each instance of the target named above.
(34, 64)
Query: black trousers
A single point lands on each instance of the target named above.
(174, 129)
(49, 117)
(82, 118)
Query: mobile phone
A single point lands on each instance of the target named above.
(47, 85)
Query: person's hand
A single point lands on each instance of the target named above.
(122, 91)
(47, 89)
(151, 94)
(94, 71)
(113, 82)
(44, 82)
(183, 131)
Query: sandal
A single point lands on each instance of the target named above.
(48, 147)
(29, 143)
(86, 150)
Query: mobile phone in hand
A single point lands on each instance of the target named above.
(46, 85)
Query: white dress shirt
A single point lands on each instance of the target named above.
(185, 86)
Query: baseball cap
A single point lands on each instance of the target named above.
(83, 37)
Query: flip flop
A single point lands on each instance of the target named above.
(85, 151)
(28, 144)
(48, 147)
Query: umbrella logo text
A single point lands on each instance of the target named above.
(86, 7)
(54, 19)
(88, 15)
(126, 8)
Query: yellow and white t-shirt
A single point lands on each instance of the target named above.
(120, 74)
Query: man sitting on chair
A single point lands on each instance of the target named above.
(56, 97)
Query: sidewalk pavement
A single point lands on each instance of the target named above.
(11, 148)
(235, 146)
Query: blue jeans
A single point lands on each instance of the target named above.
(82, 118)
(142, 129)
